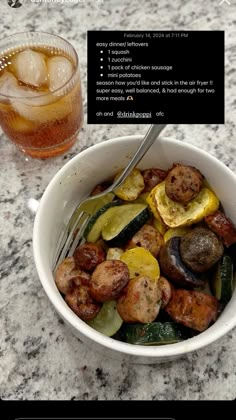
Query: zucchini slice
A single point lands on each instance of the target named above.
(91, 207)
(154, 333)
(223, 282)
(98, 220)
(231, 251)
(108, 320)
(126, 220)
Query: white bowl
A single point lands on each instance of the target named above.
(75, 180)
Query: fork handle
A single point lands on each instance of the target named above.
(150, 137)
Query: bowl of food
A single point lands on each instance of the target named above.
(153, 279)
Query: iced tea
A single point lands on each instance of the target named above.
(40, 94)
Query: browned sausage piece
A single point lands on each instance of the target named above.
(165, 289)
(88, 256)
(67, 274)
(140, 300)
(100, 188)
(108, 279)
(193, 309)
(82, 303)
(183, 183)
(200, 249)
(147, 237)
(152, 177)
(219, 223)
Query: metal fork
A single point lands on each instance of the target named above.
(72, 234)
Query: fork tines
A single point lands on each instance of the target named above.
(70, 238)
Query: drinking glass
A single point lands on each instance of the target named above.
(41, 108)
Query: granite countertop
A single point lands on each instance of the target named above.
(39, 356)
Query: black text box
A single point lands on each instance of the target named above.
(156, 77)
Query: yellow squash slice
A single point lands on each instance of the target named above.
(158, 222)
(179, 231)
(177, 214)
(140, 262)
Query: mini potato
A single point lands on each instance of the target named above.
(131, 187)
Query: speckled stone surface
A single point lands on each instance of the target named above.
(39, 356)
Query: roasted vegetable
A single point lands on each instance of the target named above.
(231, 251)
(141, 262)
(172, 266)
(159, 225)
(223, 282)
(180, 231)
(131, 187)
(200, 249)
(158, 222)
(107, 321)
(98, 220)
(176, 214)
(114, 253)
(92, 207)
(126, 220)
(154, 333)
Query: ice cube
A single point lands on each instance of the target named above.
(8, 85)
(29, 104)
(42, 109)
(60, 70)
(30, 68)
(10, 88)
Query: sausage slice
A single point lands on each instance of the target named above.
(88, 256)
(67, 274)
(219, 223)
(108, 279)
(100, 188)
(193, 309)
(140, 300)
(165, 289)
(152, 177)
(183, 183)
(149, 238)
(81, 302)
